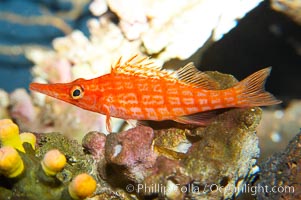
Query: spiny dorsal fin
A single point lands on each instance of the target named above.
(191, 75)
(140, 66)
(143, 67)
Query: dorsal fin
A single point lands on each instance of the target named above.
(191, 75)
(141, 66)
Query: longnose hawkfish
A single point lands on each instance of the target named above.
(138, 90)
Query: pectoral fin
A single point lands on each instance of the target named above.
(108, 123)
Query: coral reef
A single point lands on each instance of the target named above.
(163, 160)
(280, 173)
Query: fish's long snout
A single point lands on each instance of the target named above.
(42, 88)
(56, 90)
(36, 87)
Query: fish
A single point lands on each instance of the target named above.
(137, 89)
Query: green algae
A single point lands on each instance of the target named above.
(78, 161)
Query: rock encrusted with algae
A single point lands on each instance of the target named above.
(132, 149)
(78, 161)
(173, 163)
(216, 160)
(225, 154)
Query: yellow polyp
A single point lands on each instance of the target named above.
(30, 138)
(5, 121)
(53, 162)
(9, 134)
(11, 164)
(82, 186)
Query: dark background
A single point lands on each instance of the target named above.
(263, 38)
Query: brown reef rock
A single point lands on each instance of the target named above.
(280, 176)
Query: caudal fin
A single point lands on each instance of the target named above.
(251, 90)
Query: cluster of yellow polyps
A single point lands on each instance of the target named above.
(11, 163)
(9, 136)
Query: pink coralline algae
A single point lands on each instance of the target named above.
(94, 142)
(133, 150)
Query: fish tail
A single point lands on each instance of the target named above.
(251, 90)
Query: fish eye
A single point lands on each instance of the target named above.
(77, 92)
